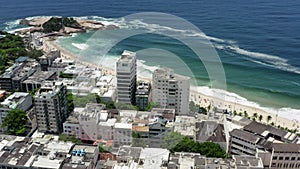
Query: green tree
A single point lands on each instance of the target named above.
(137, 140)
(208, 149)
(125, 106)
(103, 149)
(13, 46)
(151, 105)
(193, 107)
(70, 102)
(55, 24)
(245, 114)
(65, 137)
(15, 121)
(172, 140)
(260, 117)
(269, 118)
(203, 110)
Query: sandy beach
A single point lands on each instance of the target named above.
(52, 45)
(196, 95)
(204, 100)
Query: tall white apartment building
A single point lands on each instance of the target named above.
(51, 107)
(171, 91)
(126, 77)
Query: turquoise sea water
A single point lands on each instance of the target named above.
(257, 41)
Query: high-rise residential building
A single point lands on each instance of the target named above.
(170, 90)
(51, 107)
(126, 77)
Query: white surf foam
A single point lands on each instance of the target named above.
(11, 25)
(145, 71)
(81, 46)
(273, 61)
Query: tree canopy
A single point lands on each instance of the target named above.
(15, 121)
(172, 140)
(81, 101)
(64, 137)
(55, 24)
(175, 142)
(11, 47)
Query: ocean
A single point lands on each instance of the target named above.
(258, 41)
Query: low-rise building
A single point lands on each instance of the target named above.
(243, 143)
(193, 160)
(17, 100)
(122, 134)
(12, 78)
(211, 131)
(36, 80)
(90, 123)
(285, 156)
(186, 126)
(257, 139)
(137, 157)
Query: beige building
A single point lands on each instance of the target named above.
(170, 90)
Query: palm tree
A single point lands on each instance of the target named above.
(255, 115)
(245, 114)
(260, 117)
(269, 118)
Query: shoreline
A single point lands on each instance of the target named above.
(205, 100)
(278, 119)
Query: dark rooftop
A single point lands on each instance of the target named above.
(259, 128)
(245, 135)
(288, 148)
(210, 131)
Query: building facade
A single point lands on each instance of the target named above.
(171, 91)
(17, 100)
(126, 77)
(285, 156)
(51, 107)
(142, 95)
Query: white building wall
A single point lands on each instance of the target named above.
(126, 77)
(171, 91)
(122, 135)
(71, 129)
